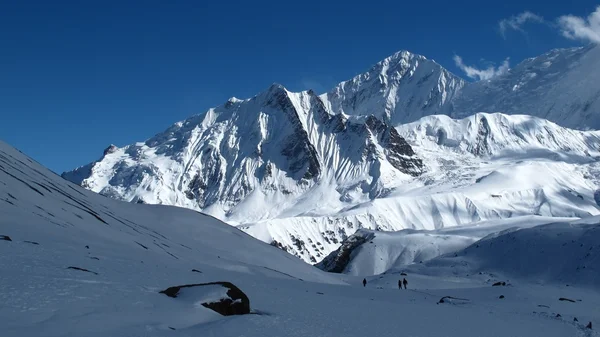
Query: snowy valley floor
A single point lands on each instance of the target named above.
(41, 298)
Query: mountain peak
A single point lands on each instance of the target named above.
(110, 149)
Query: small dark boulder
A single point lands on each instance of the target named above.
(196, 271)
(566, 299)
(501, 297)
(575, 319)
(497, 284)
(236, 302)
(403, 274)
(82, 269)
(558, 316)
(446, 298)
(5, 238)
(589, 326)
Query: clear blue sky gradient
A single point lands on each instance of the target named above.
(76, 76)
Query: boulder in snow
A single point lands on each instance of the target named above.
(222, 297)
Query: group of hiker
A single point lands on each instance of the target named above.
(400, 283)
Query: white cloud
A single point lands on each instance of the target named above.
(481, 74)
(577, 28)
(517, 21)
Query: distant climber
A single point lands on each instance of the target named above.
(400, 284)
(364, 282)
(405, 283)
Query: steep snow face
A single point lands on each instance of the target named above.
(253, 160)
(560, 86)
(402, 88)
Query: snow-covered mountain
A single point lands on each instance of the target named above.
(402, 88)
(560, 86)
(303, 172)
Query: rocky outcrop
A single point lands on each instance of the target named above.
(337, 261)
(232, 302)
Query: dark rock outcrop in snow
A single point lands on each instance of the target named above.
(337, 261)
(234, 303)
(82, 269)
(5, 238)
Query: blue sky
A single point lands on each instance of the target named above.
(76, 76)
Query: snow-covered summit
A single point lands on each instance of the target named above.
(401, 88)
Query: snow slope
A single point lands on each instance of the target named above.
(555, 253)
(133, 251)
(370, 252)
(303, 172)
(39, 206)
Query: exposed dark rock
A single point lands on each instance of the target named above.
(301, 154)
(337, 261)
(83, 269)
(279, 245)
(589, 326)
(445, 298)
(141, 245)
(87, 247)
(497, 284)
(566, 299)
(501, 297)
(481, 145)
(236, 304)
(94, 258)
(196, 271)
(32, 242)
(575, 319)
(5, 238)
(110, 149)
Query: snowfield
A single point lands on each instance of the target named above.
(126, 253)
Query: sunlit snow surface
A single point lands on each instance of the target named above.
(304, 171)
(134, 251)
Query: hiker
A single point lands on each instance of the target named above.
(405, 283)
(400, 284)
(364, 282)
